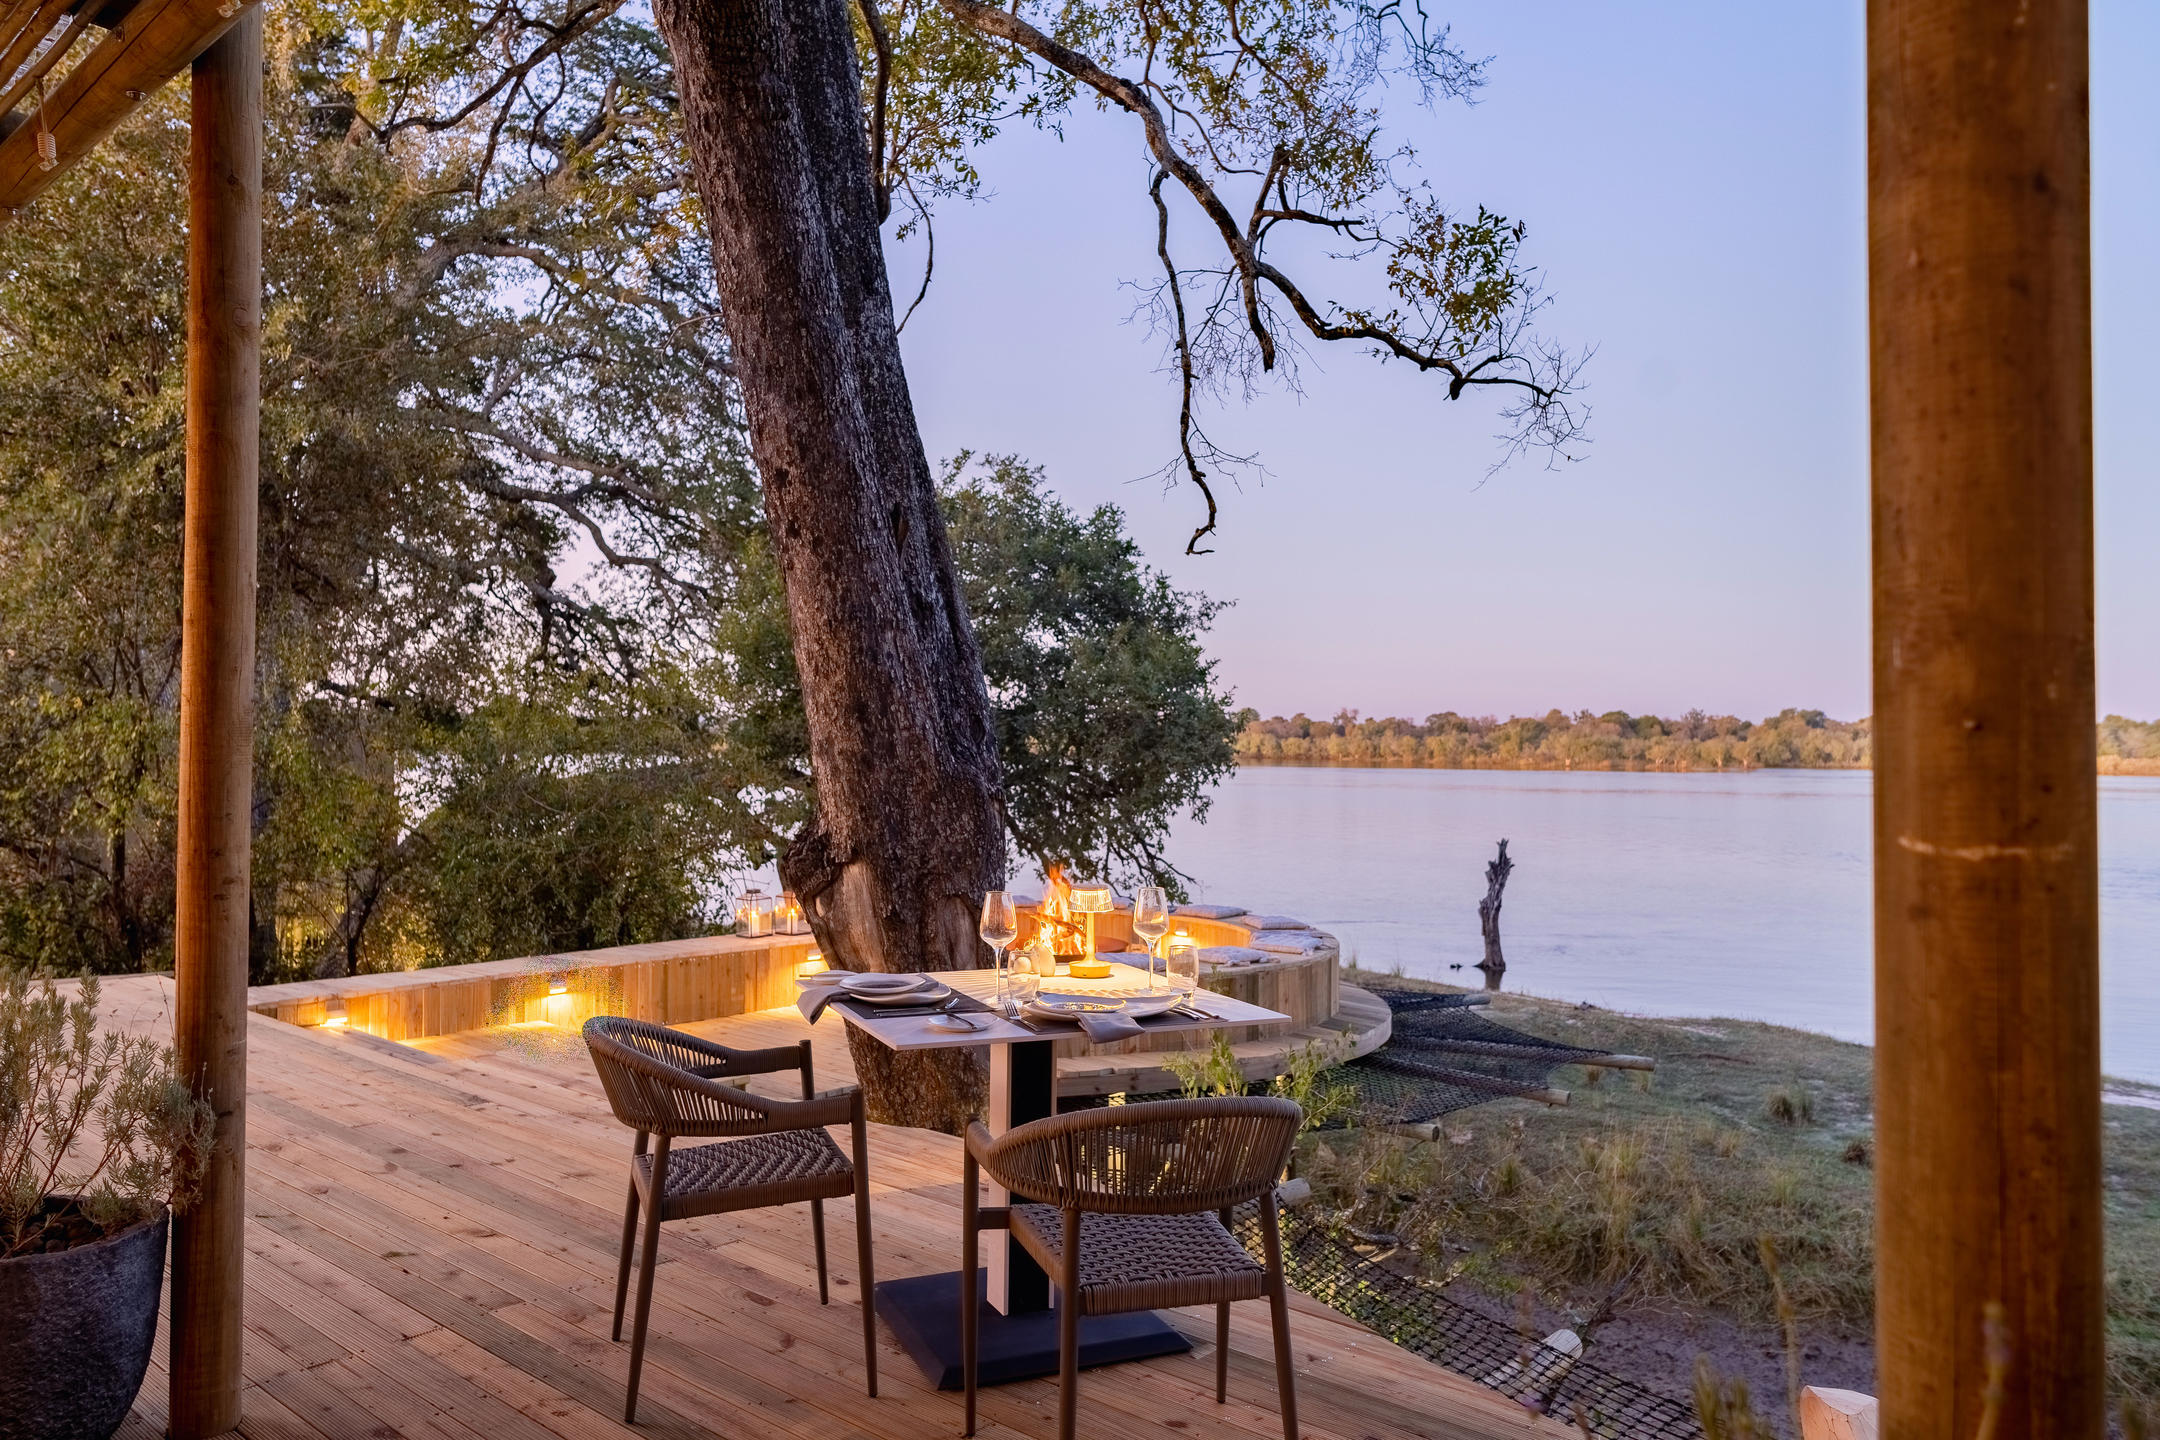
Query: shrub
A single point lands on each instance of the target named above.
(96, 1131)
(1792, 1104)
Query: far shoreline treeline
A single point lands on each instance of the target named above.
(1615, 740)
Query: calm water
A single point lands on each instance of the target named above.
(1741, 895)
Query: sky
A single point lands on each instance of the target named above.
(1692, 175)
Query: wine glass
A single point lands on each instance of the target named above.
(1000, 927)
(1150, 921)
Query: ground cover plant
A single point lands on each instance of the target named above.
(1652, 1197)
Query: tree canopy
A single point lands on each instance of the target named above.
(1263, 120)
(525, 682)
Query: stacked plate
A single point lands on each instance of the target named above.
(878, 989)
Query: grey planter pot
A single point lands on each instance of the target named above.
(76, 1334)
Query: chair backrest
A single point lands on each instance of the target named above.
(1166, 1157)
(647, 1071)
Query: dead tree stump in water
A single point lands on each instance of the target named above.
(1488, 913)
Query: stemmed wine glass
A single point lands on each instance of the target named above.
(1000, 927)
(1150, 921)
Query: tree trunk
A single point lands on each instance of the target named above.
(906, 836)
(1488, 913)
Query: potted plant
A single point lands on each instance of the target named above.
(100, 1140)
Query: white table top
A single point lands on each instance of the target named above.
(914, 1032)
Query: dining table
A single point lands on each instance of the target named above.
(1017, 1323)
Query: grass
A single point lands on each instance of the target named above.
(1669, 1184)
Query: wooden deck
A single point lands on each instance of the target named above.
(431, 1242)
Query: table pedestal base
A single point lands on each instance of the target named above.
(924, 1313)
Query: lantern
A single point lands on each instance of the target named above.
(1091, 898)
(752, 918)
(788, 917)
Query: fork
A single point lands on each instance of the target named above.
(951, 1009)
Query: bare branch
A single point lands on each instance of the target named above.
(882, 43)
(929, 259)
(1124, 93)
(1183, 344)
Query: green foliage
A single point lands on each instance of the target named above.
(1559, 741)
(1210, 1072)
(1306, 1078)
(524, 674)
(502, 477)
(1110, 721)
(103, 1120)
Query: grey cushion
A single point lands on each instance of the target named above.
(1210, 912)
(1273, 922)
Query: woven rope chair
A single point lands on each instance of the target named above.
(664, 1084)
(1128, 1208)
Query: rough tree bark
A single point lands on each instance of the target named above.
(1488, 913)
(906, 835)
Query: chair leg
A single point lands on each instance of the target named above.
(629, 1239)
(970, 1264)
(1279, 1304)
(645, 1280)
(866, 1276)
(1068, 1308)
(1222, 1334)
(817, 1230)
(1222, 1351)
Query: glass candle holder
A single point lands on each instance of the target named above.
(752, 917)
(1181, 964)
(788, 917)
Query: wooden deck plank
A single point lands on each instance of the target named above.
(432, 1238)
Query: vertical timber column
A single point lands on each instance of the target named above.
(1986, 890)
(217, 705)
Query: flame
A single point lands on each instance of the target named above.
(1056, 914)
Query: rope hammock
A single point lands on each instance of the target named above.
(1444, 1056)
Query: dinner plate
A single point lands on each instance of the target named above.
(872, 982)
(928, 993)
(1072, 1007)
(1139, 1007)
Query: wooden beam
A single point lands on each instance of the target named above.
(149, 45)
(217, 694)
(1986, 889)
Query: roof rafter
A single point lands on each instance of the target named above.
(146, 45)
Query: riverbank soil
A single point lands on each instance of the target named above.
(1655, 1197)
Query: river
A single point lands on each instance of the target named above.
(1743, 895)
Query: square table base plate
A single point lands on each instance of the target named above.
(924, 1313)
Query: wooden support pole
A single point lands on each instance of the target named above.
(1986, 888)
(217, 689)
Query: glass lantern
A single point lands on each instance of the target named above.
(788, 917)
(752, 915)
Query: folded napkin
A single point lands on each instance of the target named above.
(815, 998)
